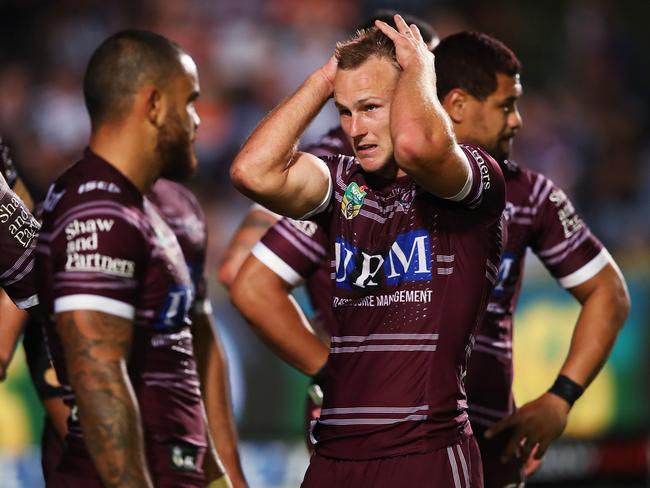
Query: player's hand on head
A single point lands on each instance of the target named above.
(328, 70)
(410, 48)
(537, 423)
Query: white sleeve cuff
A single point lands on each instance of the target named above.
(276, 264)
(464, 191)
(588, 271)
(96, 303)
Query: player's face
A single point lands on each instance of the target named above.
(177, 134)
(362, 97)
(494, 122)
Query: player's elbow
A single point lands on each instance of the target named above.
(414, 150)
(243, 175)
(226, 274)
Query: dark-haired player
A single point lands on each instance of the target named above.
(479, 86)
(113, 280)
(413, 224)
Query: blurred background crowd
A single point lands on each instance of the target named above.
(586, 72)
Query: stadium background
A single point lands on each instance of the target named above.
(585, 110)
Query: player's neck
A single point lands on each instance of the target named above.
(122, 149)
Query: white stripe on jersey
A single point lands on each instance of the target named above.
(276, 264)
(296, 242)
(346, 410)
(463, 464)
(588, 271)
(454, 467)
(464, 191)
(372, 421)
(380, 348)
(94, 302)
(383, 337)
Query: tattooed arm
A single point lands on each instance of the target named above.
(96, 347)
(251, 230)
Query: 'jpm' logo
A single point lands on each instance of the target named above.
(407, 259)
(507, 275)
(352, 200)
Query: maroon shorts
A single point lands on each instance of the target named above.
(52, 448)
(78, 471)
(495, 473)
(456, 466)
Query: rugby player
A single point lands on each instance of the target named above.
(114, 284)
(413, 223)
(18, 230)
(478, 81)
(479, 85)
(258, 219)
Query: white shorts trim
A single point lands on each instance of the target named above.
(94, 302)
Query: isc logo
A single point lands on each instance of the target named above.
(407, 259)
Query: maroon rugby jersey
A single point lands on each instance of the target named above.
(183, 214)
(105, 247)
(18, 231)
(412, 274)
(541, 217)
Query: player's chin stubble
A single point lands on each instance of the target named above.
(175, 150)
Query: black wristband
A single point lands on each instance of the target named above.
(320, 377)
(567, 389)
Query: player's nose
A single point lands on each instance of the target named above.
(357, 127)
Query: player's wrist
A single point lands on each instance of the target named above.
(566, 389)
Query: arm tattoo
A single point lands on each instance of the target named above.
(96, 347)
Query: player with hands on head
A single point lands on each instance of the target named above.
(394, 411)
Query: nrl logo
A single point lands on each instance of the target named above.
(352, 200)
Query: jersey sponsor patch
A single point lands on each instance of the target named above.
(176, 307)
(566, 213)
(20, 223)
(407, 259)
(352, 200)
(183, 457)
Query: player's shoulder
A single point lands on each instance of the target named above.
(172, 197)
(89, 180)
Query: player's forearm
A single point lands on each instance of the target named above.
(111, 424)
(424, 142)
(260, 169)
(603, 313)
(278, 321)
(96, 346)
(215, 388)
(11, 328)
(250, 231)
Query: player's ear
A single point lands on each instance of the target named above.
(455, 103)
(153, 104)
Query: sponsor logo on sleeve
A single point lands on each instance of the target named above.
(83, 238)
(483, 168)
(22, 226)
(52, 198)
(305, 226)
(352, 200)
(183, 457)
(566, 213)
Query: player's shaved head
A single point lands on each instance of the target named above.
(471, 61)
(365, 44)
(121, 65)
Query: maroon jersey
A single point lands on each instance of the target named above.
(539, 216)
(184, 216)
(105, 247)
(411, 273)
(18, 231)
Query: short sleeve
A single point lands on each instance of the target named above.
(562, 240)
(292, 249)
(18, 232)
(484, 191)
(98, 253)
